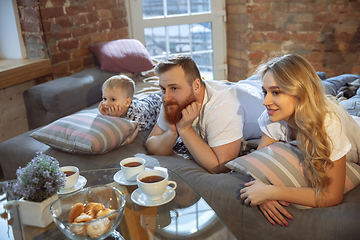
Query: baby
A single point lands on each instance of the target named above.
(117, 94)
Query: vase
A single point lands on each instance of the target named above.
(36, 214)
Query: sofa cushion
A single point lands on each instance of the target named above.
(87, 133)
(124, 55)
(333, 84)
(279, 164)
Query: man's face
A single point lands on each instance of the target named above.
(177, 94)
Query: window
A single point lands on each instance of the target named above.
(193, 27)
(11, 42)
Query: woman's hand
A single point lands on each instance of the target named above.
(255, 193)
(259, 193)
(275, 212)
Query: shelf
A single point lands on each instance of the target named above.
(15, 71)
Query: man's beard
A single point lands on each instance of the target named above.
(173, 109)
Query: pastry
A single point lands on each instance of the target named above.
(105, 212)
(81, 213)
(98, 228)
(93, 208)
(78, 229)
(82, 218)
(76, 210)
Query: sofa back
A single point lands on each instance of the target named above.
(58, 98)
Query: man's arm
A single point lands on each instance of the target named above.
(212, 159)
(161, 142)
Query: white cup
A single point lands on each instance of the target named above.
(155, 190)
(130, 171)
(72, 179)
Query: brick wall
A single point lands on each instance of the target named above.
(68, 27)
(326, 32)
(63, 30)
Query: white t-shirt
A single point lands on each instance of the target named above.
(224, 116)
(342, 131)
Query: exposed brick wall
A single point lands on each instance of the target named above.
(326, 32)
(64, 30)
(69, 27)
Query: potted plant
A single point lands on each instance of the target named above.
(38, 183)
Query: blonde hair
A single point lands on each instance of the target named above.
(295, 76)
(120, 81)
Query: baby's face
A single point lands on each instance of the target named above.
(114, 97)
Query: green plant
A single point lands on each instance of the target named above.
(40, 178)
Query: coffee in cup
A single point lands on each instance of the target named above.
(131, 167)
(71, 175)
(154, 183)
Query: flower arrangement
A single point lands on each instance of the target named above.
(40, 178)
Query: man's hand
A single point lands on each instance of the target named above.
(189, 114)
(172, 128)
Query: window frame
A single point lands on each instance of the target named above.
(217, 17)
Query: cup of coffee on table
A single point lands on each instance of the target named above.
(154, 183)
(131, 167)
(72, 175)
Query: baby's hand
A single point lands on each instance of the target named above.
(101, 108)
(115, 111)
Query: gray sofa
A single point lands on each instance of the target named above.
(81, 91)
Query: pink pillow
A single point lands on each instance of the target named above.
(124, 55)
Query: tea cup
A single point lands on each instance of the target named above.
(154, 183)
(72, 175)
(131, 167)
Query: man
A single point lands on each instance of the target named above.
(207, 115)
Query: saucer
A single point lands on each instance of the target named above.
(80, 183)
(119, 178)
(139, 197)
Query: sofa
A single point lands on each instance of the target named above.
(81, 91)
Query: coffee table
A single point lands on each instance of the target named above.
(187, 216)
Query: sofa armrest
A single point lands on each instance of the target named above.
(55, 99)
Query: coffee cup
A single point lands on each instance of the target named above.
(71, 175)
(131, 167)
(154, 183)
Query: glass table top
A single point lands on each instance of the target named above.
(186, 216)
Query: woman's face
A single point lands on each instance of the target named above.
(279, 105)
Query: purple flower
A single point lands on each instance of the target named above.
(40, 178)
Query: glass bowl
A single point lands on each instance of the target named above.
(100, 226)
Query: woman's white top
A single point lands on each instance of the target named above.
(342, 129)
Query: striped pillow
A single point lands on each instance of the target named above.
(87, 133)
(278, 164)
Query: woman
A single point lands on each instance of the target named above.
(297, 109)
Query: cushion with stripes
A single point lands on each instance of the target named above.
(87, 133)
(278, 164)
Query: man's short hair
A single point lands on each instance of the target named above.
(120, 81)
(187, 64)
